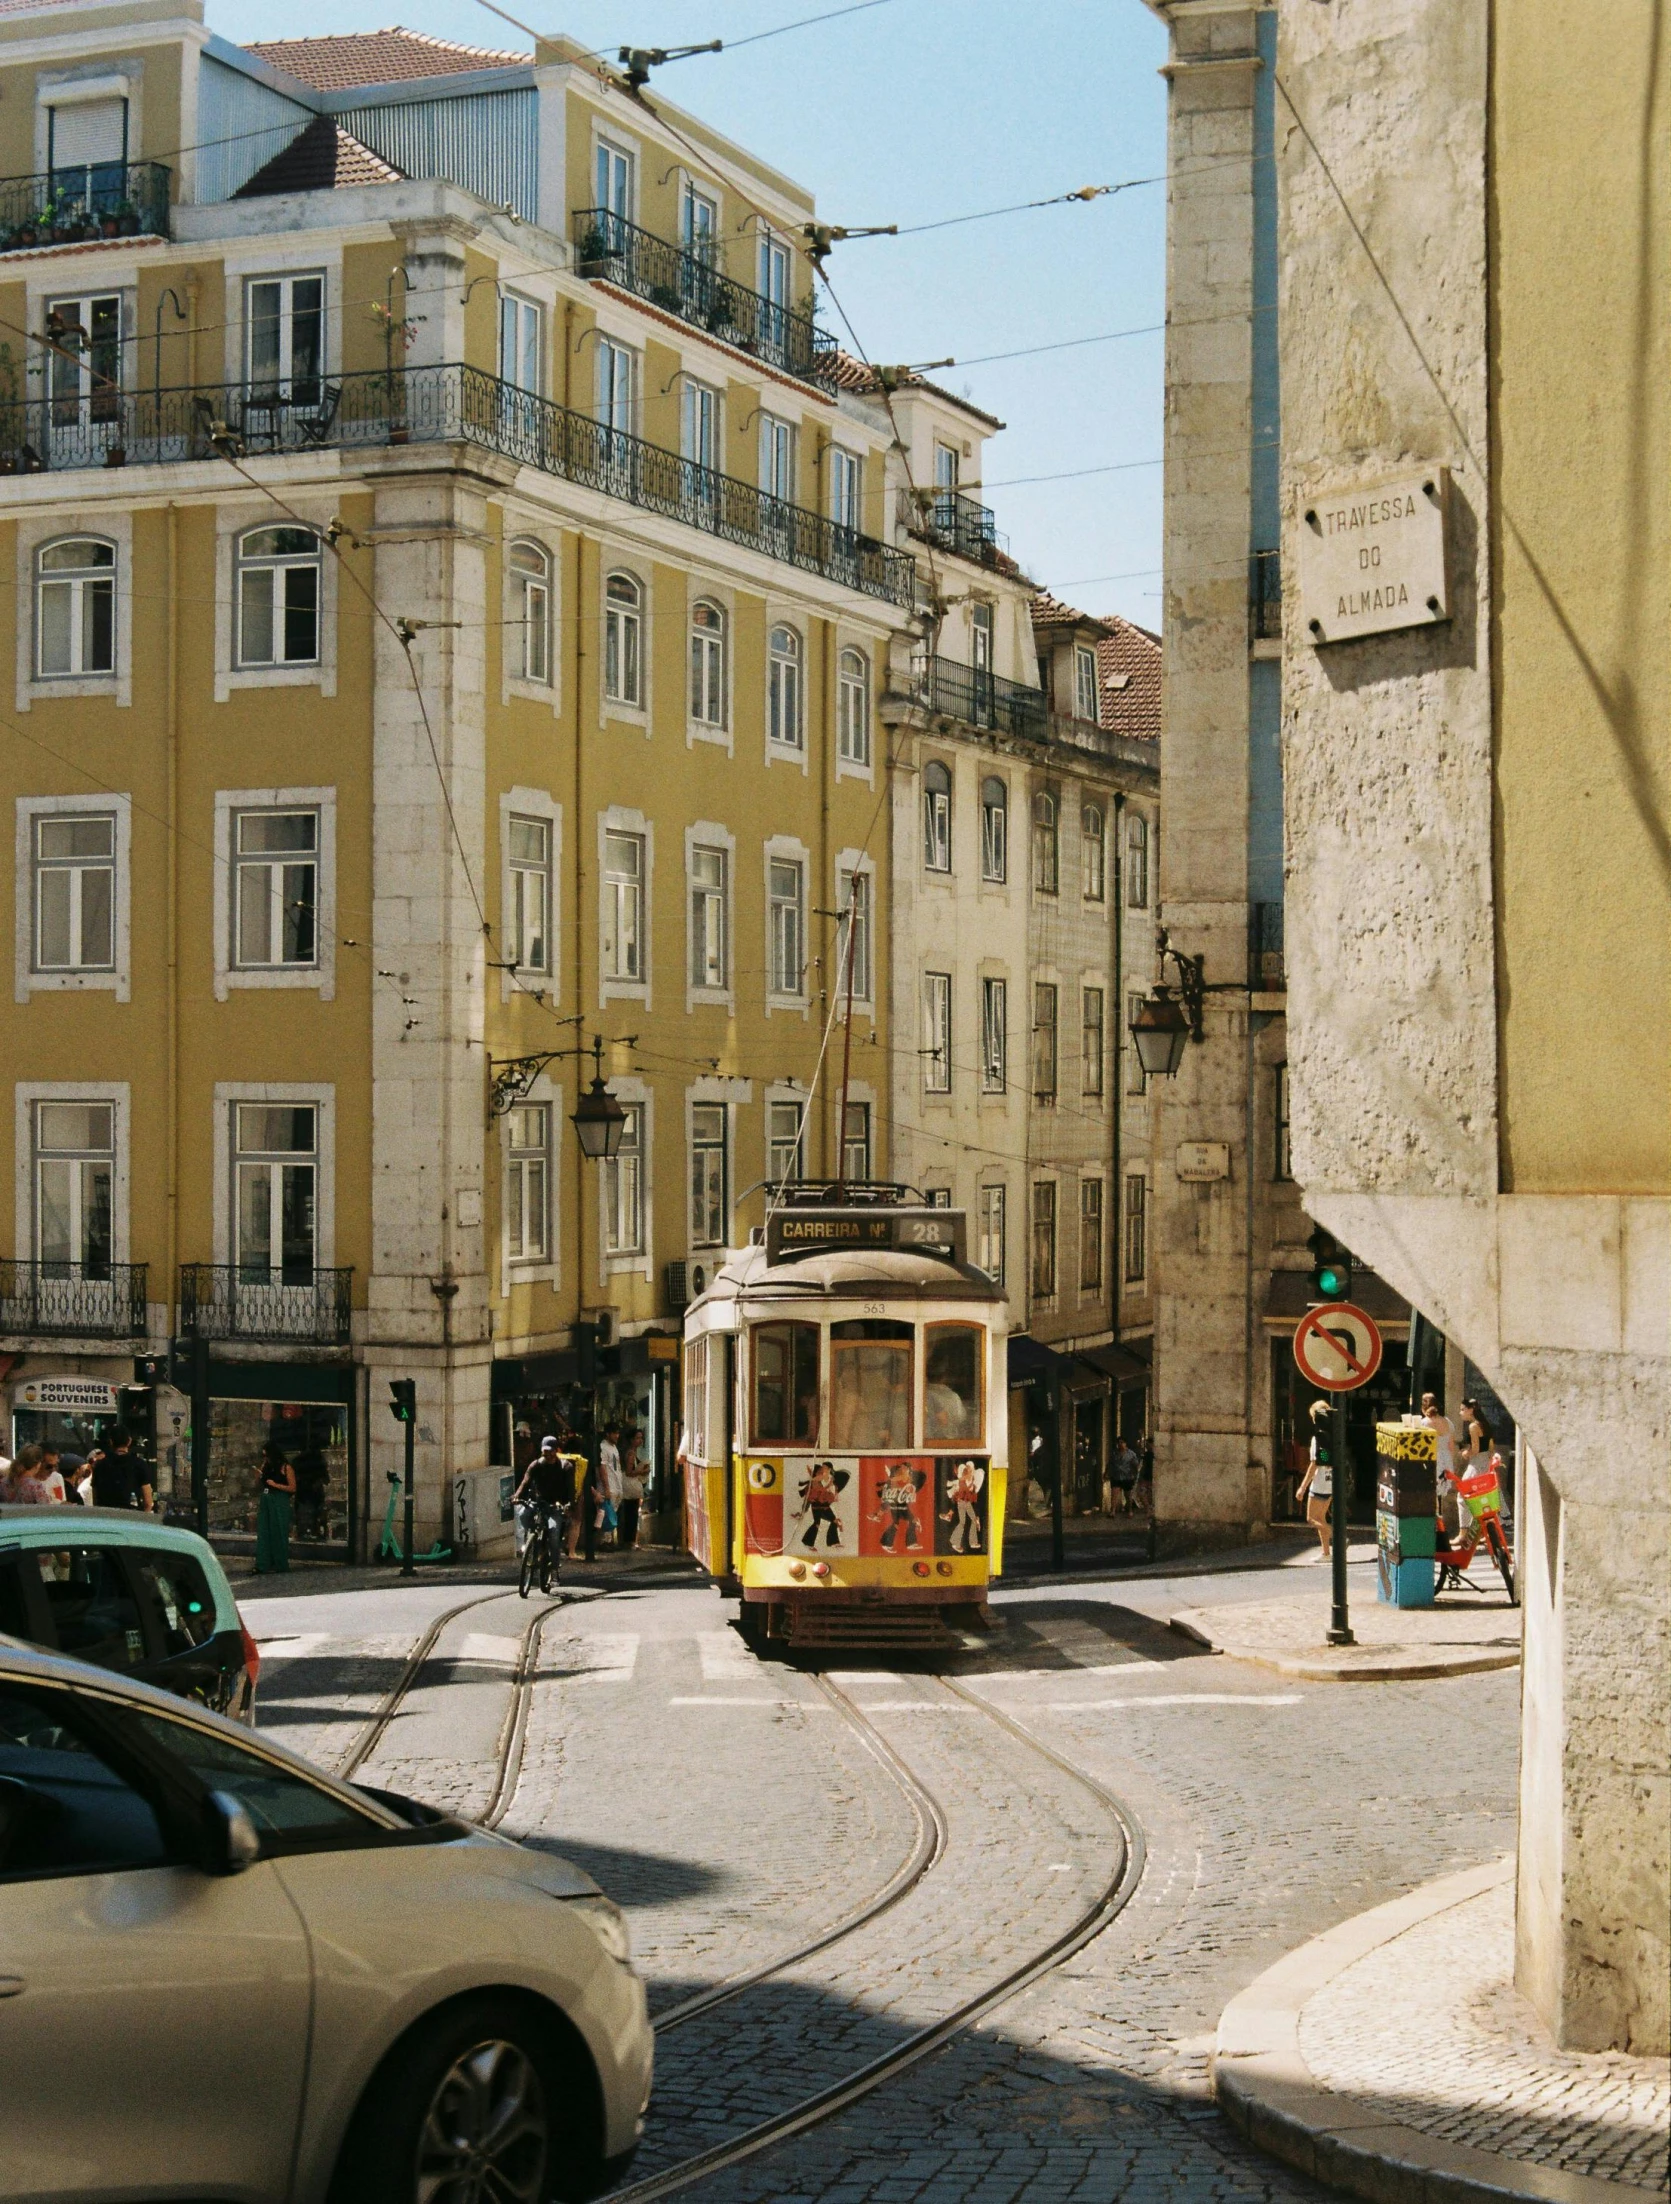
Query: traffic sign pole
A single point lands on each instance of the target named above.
(1340, 1623)
(1338, 1348)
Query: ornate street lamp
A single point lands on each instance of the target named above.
(1172, 1014)
(599, 1120)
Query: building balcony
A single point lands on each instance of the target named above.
(982, 699)
(688, 285)
(1264, 597)
(73, 206)
(72, 1300)
(240, 1301)
(951, 522)
(433, 405)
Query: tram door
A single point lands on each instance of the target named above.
(726, 1342)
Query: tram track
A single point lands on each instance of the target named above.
(1109, 1901)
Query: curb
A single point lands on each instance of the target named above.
(1269, 2094)
(1374, 1664)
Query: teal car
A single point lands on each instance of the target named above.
(120, 1589)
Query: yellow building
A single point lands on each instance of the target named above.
(451, 594)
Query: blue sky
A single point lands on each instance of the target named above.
(911, 111)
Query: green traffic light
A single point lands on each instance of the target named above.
(1330, 1281)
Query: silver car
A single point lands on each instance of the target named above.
(224, 1975)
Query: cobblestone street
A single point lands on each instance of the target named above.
(739, 1814)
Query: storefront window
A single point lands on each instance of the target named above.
(313, 1439)
(785, 1384)
(952, 1394)
(870, 1385)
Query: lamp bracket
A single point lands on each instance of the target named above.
(1191, 985)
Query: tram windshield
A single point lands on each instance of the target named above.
(870, 1385)
(786, 1385)
(953, 1384)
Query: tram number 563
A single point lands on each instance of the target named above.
(874, 1308)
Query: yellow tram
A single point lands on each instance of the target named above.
(846, 1421)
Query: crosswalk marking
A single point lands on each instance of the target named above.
(479, 1645)
(725, 1659)
(605, 1660)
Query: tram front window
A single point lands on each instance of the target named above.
(952, 1385)
(870, 1386)
(786, 1385)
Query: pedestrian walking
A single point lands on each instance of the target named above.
(25, 1485)
(1124, 1470)
(632, 1488)
(53, 1466)
(121, 1478)
(272, 1515)
(1317, 1485)
(1444, 1462)
(609, 1480)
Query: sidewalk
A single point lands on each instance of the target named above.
(1394, 2059)
(1460, 1635)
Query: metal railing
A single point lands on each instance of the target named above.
(953, 521)
(72, 1300)
(1266, 971)
(241, 1301)
(422, 405)
(1264, 596)
(72, 206)
(691, 286)
(982, 699)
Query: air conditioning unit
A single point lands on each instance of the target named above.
(604, 1327)
(686, 1282)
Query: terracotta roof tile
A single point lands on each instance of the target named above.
(323, 158)
(1128, 679)
(392, 56)
(1050, 612)
(853, 375)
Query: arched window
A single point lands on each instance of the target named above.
(1137, 861)
(937, 817)
(707, 664)
(623, 636)
(75, 607)
(278, 597)
(784, 697)
(1046, 869)
(528, 613)
(853, 707)
(995, 829)
(1093, 853)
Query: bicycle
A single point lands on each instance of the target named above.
(543, 1549)
(1483, 1497)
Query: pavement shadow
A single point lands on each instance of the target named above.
(634, 1878)
(1096, 1632)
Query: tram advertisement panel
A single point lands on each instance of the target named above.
(879, 1506)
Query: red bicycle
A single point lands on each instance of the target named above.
(1482, 1496)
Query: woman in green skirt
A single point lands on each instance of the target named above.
(272, 1520)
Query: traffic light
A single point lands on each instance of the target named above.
(1331, 1267)
(403, 1399)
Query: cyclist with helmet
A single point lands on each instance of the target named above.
(546, 1495)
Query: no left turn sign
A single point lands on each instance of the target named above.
(1337, 1347)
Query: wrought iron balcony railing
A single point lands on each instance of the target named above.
(1264, 596)
(72, 206)
(1266, 971)
(72, 1300)
(690, 285)
(952, 521)
(448, 404)
(982, 699)
(243, 1301)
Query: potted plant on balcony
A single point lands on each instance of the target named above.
(11, 415)
(127, 219)
(593, 252)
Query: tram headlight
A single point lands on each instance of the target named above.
(607, 1923)
(797, 1569)
(821, 1570)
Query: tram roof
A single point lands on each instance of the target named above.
(846, 1274)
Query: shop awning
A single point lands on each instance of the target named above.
(1126, 1362)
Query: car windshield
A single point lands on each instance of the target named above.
(291, 1813)
(870, 1385)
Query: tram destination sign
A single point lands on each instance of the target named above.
(794, 1233)
(1372, 558)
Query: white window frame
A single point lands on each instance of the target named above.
(860, 1098)
(1093, 875)
(277, 564)
(235, 521)
(854, 714)
(69, 87)
(694, 193)
(518, 1271)
(851, 865)
(728, 1175)
(513, 1205)
(1052, 1292)
(995, 847)
(782, 849)
(76, 581)
(636, 1262)
(938, 784)
(287, 278)
(846, 489)
(516, 586)
(618, 820)
(530, 803)
(624, 707)
(999, 1187)
(1139, 844)
(995, 1060)
(1098, 1284)
(64, 524)
(624, 151)
(321, 975)
(321, 1096)
(118, 978)
(937, 1039)
(1128, 1212)
(783, 1097)
(528, 315)
(1084, 682)
(26, 1093)
(714, 726)
(1096, 1094)
(619, 385)
(793, 746)
(707, 834)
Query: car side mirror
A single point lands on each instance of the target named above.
(231, 1840)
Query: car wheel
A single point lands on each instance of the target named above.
(467, 2110)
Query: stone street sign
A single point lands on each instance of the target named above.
(1202, 1161)
(1372, 557)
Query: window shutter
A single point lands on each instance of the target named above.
(88, 131)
